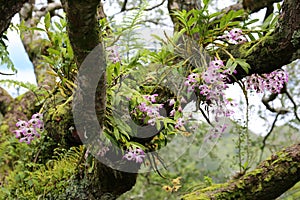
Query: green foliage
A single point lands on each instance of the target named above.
(15, 83)
(60, 55)
(4, 55)
(33, 180)
(141, 64)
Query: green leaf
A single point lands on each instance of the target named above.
(37, 29)
(116, 134)
(250, 35)
(278, 6)
(206, 2)
(215, 14)
(267, 22)
(47, 21)
(233, 23)
(274, 21)
(112, 139)
(48, 60)
(53, 51)
(135, 144)
(58, 26)
(158, 124)
(231, 65)
(251, 22)
(243, 64)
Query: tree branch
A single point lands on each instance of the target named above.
(250, 5)
(262, 148)
(147, 9)
(270, 52)
(268, 98)
(8, 8)
(256, 5)
(49, 8)
(269, 180)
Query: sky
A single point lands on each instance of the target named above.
(20, 59)
(26, 74)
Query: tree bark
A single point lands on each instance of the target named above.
(8, 8)
(268, 181)
(256, 5)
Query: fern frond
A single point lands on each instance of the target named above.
(52, 177)
(15, 83)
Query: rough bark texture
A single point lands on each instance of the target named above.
(268, 181)
(8, 8)
(83, 26)
(5, 100)
(250, 5)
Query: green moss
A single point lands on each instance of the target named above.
(4, 128)
(203, 194)
(293, 170)
(58, 119)
(196, 196)
(296, 38)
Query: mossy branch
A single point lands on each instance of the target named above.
(269, 180)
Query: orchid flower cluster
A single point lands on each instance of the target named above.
(102, 148)
(28, 130)
(213, 80)
(272, 82)
(179, 121)
(99, 148)
(210, 85)
(148, 111)
(113, 54)
(234, 36)
(135, 154)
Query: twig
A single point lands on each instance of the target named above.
(124, 9)
(294, 104)
(124, 6)
(266, 99)
(147, 9)
(6, 74)
(266, 137)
